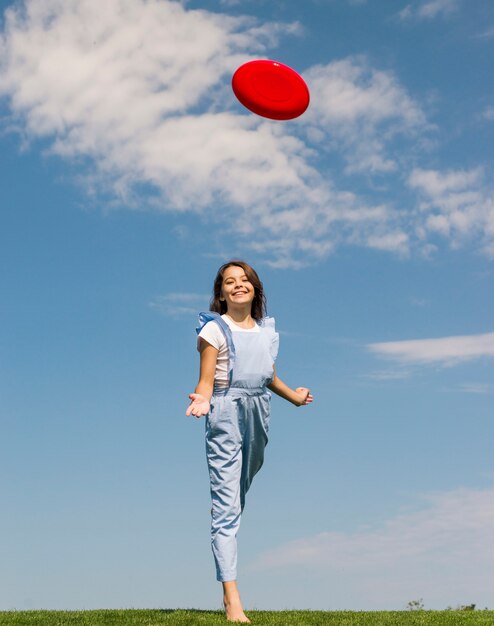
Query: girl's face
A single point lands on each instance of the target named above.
(236, 290)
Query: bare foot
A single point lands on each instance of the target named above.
(235, 612)
(233, 605)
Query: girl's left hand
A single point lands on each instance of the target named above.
(305, 395)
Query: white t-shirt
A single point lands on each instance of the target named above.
(213, 334)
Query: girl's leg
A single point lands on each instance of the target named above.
(233, 604)
(254, 442)
(224, 455)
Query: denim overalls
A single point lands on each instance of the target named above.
(237, 432)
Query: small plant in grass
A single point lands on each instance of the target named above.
(462, 607)
(415, 605)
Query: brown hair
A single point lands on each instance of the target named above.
(258, 310)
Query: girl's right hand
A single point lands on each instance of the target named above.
(304, 395)
(198, 406)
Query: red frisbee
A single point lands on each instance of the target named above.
(271, 89)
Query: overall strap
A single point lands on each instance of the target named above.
(267, 324)
(211, 316)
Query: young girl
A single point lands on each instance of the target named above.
(238, 345)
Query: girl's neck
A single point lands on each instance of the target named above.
(241, 318)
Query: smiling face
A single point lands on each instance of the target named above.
(241, 277)
(236, 289)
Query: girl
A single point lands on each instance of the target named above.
(238, 345)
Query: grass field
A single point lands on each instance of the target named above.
(170, 617)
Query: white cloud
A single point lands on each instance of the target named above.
(361, 110)
(435, 183)
(418, 302)
(429, 9)
(455, 204)
(488, 34)
(118, 82)
(136, 94)
(395, 374)
(390, 241)
(445, 351)
(477, 388)
(406, 13)
(180, 304)
(444, 551)
(488, 113)
(140, 90)
(433, 8)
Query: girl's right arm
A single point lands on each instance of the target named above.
(199, 404)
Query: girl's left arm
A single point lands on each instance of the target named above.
(299, 396)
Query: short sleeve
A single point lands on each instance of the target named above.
(213, 334)
(208, 316)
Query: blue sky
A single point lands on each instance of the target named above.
(129, 174)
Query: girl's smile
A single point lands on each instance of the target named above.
(236, 287)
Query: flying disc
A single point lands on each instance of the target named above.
(271, 89)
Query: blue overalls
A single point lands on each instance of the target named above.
(237, 432)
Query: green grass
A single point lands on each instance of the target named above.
(262, 618)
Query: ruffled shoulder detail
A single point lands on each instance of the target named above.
(268, 324)
(205, 317)
(211, 316)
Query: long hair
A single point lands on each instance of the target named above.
(258, 310)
